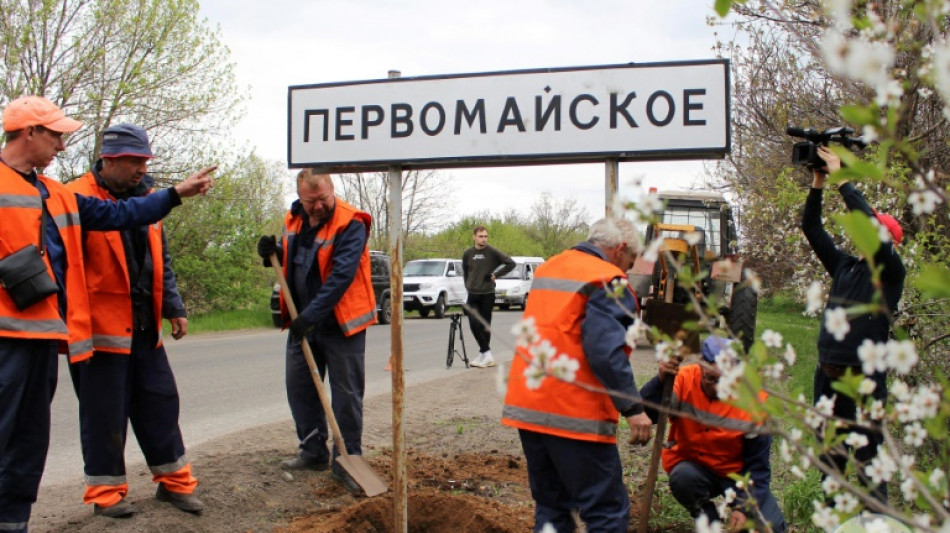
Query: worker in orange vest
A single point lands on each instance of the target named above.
(45, 310)
(326, 263)
(132, 288)
(568, 428)
(718, 439)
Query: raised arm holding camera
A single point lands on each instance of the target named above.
(852, 284)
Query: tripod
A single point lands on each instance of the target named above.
(455, 325)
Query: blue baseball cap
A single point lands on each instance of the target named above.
(125, 140)
(712, 346)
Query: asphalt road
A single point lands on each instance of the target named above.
(233, 381)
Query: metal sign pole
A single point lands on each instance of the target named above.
(611, 177)
(400, 456)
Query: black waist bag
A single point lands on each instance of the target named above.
(23, 274)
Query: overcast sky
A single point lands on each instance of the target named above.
(279, 43)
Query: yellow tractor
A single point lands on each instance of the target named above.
(700, 235)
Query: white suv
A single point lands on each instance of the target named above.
(432, 285)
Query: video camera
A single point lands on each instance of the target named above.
(806, 152)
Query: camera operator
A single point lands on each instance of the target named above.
(852, 285)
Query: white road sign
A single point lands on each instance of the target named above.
(677, 110)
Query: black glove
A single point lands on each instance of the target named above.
(299, 328)
(266, 246)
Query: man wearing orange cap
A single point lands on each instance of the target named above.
(852, 284)
(132, 288)
(44, 306)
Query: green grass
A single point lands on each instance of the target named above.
(785, 316)
(257, 317)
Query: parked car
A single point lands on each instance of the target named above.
(432, 285)
(512, 288)
(379, 265)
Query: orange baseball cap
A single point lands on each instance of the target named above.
(37, 111)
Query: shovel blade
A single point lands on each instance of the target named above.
(669, 319)
(363, 474)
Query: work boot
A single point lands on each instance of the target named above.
(122, 509)
(185, 502)
(304, 463)
(348, 482)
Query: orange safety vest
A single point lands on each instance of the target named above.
(717, 446)
(356, 309)
(559, 294)
(20, 211)
(107, 277)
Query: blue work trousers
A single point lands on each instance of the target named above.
(28, 375)
(116, 389)
(342, 359)
(694, 486)
(567, 475)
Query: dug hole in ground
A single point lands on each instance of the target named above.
(466, 474)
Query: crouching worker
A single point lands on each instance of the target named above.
(699, 457)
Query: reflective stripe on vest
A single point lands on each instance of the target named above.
(567, 423)
(20, 211)
(715, 440)
(559, 294)
(112, 341)
(13, 526)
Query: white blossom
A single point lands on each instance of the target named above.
(877, 525)
(840, 12)
(927, 401)
(856, 440)
(564, 368)
(729, 496)
(526, 332)
(785, 451)
(790, 356)
(534, 376)
(881, 469)
(650, 203)
(908, 489)
(869, 133)
(541, 353)
(873, 356)
(704, 526)
(836, 322)
(693, 237)
(795, 434)
(815, 298)
(773, 371)
(914, 434)
(907, 461)
(936, 478)
(638, 330)
(666, 351)
(858, 58)
(940, 66)
(877, 410)
(652, 251)
(845, 502)
(753, 280)
(824, 517)
(924, 201)
(830, 485)
(901, 356)
(883, 234)
(900, 391)
(772, 339)
(501, 379)
(727, 387)
(867, 386)
(888, 93)
(923, 520)
(797, 472)
(548, 528)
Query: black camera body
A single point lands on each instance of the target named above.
(805, 153)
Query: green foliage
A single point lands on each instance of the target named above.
(797, 496)
(256, 316)
(863, 234)
(213, 240)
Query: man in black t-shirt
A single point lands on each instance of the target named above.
(481, 264)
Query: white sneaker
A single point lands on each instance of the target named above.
(486, 360)
(477, 362)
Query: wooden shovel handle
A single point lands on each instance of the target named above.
(308, 355)
(647, 502)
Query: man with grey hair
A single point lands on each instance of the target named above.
(568, 427)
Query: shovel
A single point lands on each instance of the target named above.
(354, 465)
